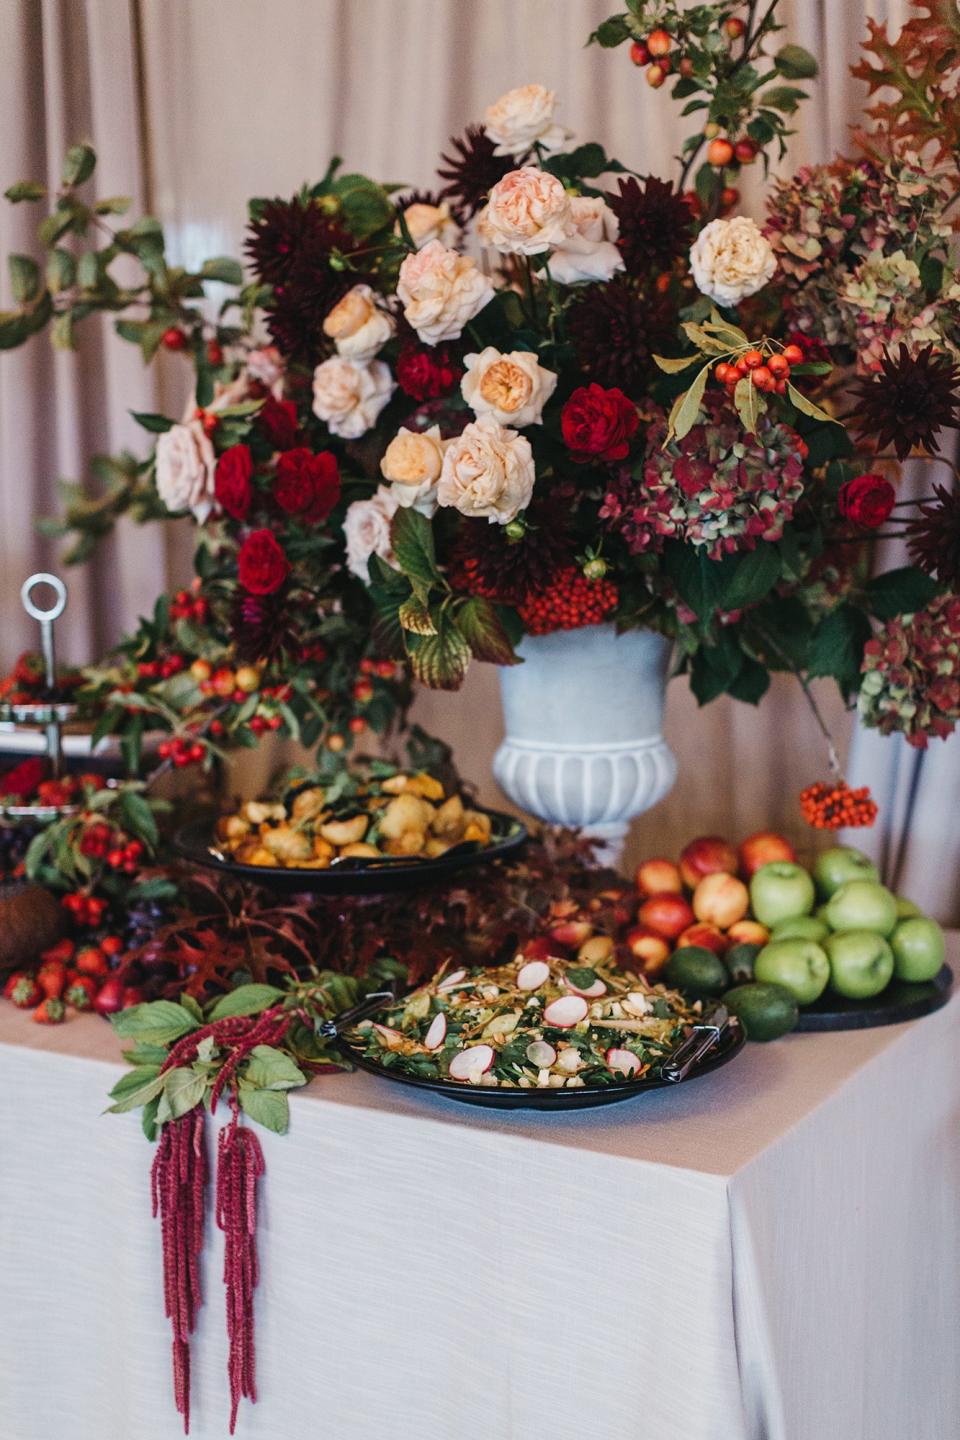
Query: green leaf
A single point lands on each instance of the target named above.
(79, 164)
(61, 270)
(143, 1054)
(61, 332)
(246, 1000)
(755, 575)
(837, 647)
(267, 1107)
(136, 1089)
(156, 424)
(807, 407)
(686, 407)
(366, 207)
(223, 268)
(411, 535)
(751, 684)
(113, 205)
(183, 1089)
(481, 627)
(749, 403)
(272, 1069)
(25, 190)
(148, 1119)
(673, 367)
(138, 818)
(415, 617)
(612, 32)
(441, 661)
(24, 278)
(704, 341)
(795, 63)
(900, 592)
(700, 581)
(783, 97)
(158, 1022)
(56, 224)
(192, 1007)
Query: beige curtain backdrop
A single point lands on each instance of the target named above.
(195, 106)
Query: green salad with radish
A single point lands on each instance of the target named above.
(534, 1023)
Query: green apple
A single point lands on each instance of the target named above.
(800, 966)
(906, 908)
(800, 927)
(780, 891)
(835, 867)
(918, 949)
(861, 963)
(862, 905)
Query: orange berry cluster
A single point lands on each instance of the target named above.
(768, 372)
(835, 807)
(569, 603)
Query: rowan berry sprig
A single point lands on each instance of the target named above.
(835, 806)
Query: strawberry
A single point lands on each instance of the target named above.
(132, 995)
(26, 993)
(81, 991)
(50, 1011)
(112, 945)
(109, 998)
(63, 950)
(91, 961)
(51, 977)
(10, 982)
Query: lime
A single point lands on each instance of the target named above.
(765, 1011)
(739, 961)
(697, 970)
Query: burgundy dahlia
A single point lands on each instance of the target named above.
(908, 400)
(616, 332)
(655, 224)
(933, 537)
(473, 169)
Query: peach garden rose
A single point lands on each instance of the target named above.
(488, 471)
(441, 292)
(513, 388)
(527, 212)
(357, 326)
(348, 397)
(523, 118)
(412, 463)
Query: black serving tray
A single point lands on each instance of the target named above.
(900, 1001)
(197, 844)
(557, 1101)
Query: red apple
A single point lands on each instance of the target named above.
(648, 946)
(707, 855)
(570, 933)
(666, 915)
(721, 899)
(761, 849)
(706, 935)
(659, 877)
(748, 932)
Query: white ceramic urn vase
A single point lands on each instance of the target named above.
(583, 717)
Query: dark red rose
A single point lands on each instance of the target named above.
(866, 500)
(426, 374)
(21, 782)
(278, 421)
(262, 566)
(306, 484)
(598, 424)
(231, 483)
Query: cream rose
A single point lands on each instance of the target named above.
(441, 292)
(731, 259)
(589, 253)
(523, 118)
(527, 212)
(430, 222)
(356, 326)
(513, 388)
(185, 463)
(412, 463)
(487, 471)
(366, 529)
(348, 397)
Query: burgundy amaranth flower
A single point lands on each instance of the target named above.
(911, 673)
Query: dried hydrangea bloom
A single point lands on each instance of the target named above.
(911, 673)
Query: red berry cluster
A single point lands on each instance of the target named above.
(185, 606)
(569, 603)
(100, 841)
(78, 978)
(84, 909)
(834, 807)
(161, 669)
(768, 372)
(181, 751)
(658, 54)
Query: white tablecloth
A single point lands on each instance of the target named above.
(769, 1254)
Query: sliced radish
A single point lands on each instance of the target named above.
(532, 975)
(437, 1033)
(568, 1010)
(541, 1053)
(471, 1063)
(592, 992)
(449, 981)
(390, 1037)
(623, 1062)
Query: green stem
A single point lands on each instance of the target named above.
(833, 758)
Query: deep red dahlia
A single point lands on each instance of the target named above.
(655, 224)
(278, 422)
(262, 566)
(473, 169)
(231, 484)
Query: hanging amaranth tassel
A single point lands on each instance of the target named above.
(239, 1167)
(178, 1182)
